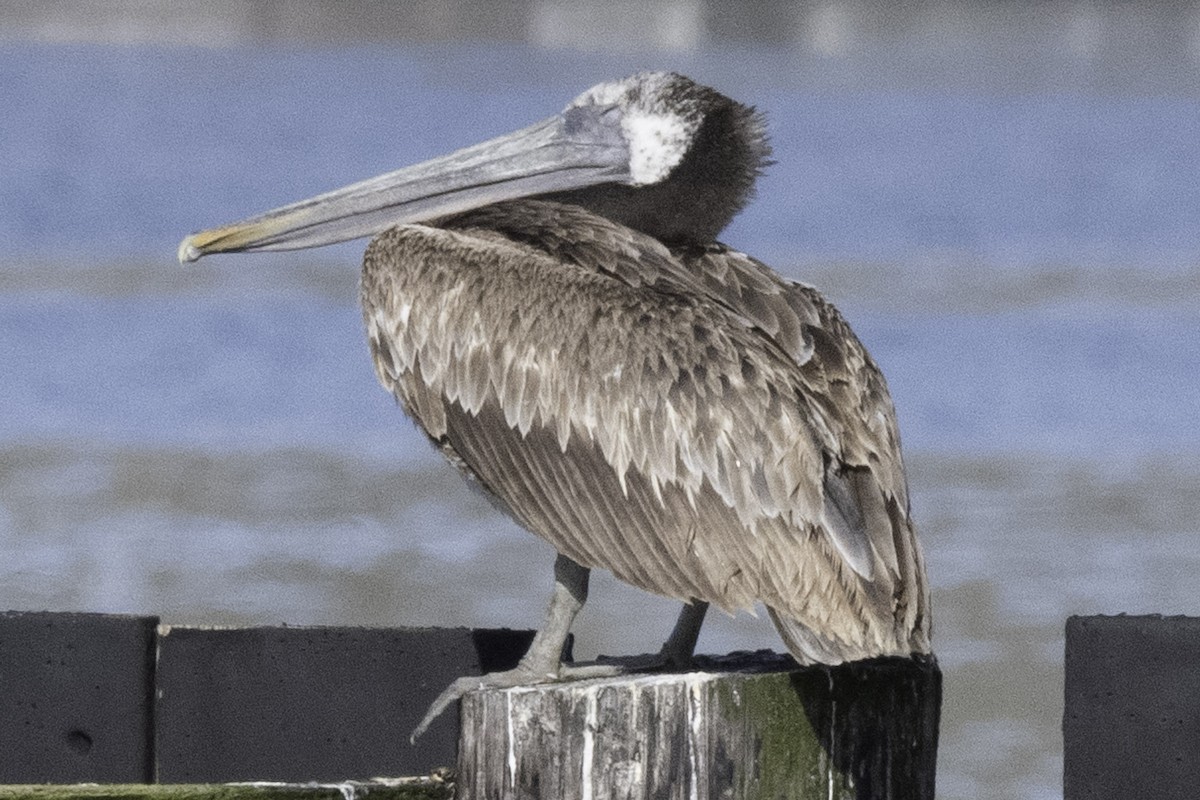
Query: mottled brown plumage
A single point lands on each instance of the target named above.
(686, 419)
(552, 308)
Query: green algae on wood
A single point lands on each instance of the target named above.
(404, 789)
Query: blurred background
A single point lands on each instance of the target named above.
(1002, 197)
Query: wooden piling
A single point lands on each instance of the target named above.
(750, 726)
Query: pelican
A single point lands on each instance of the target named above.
(553, 310)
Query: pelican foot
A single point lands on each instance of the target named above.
(662, 661)
(520, 676)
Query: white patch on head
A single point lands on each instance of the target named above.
(657, 143)
(658, 135)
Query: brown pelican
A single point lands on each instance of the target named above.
(553, 310)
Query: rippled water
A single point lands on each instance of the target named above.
(209, 444)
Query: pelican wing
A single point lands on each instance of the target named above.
(843, 393)
(641, 415)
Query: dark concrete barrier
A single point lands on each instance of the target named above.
(84, 698)
(1131, 719)
(297, 704)
(76, 697)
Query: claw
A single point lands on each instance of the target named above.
(521, 676)
(453, 692)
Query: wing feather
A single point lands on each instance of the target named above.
(689, 420)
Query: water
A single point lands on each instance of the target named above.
(209, 444)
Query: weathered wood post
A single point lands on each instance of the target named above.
(753, 726)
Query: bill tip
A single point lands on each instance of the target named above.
(188, 252)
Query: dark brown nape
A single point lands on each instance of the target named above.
(713, 182)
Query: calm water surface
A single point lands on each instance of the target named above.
(209, 443)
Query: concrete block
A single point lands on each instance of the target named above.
(323, 704)
(76, 694)
(1131, 722)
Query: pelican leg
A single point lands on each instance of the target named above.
(543, 661)
(677, 651)
(680, 646)
(544, 656)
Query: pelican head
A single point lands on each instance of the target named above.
(657, 152)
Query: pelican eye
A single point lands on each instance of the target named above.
(585, 119)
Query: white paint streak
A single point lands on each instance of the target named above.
(589, 745)
(512, 752)
(695, 715)
(832, 739)
(348, 789)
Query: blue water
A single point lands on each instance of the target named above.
(109, 151)
(209, 442)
